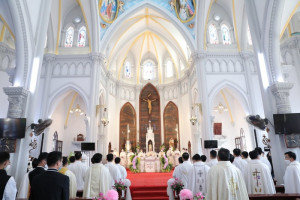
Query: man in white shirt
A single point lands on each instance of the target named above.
(123, 177)
(79, 169)
(198, 176)
(8, 188)
(262, 158)
(238, 161)
(213, 158)
(65, 171)
(225, 181)
(171, 180)
(113, 169)
(292, 173)
(97, 178)
(258, 176)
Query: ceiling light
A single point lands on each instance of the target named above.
(217, 17)
(77, 19)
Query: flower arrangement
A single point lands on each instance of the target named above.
(186, 194)
(164, 161)
(119, 185)
(198, 196)
(177, 185)
(110, 195)
(135, 163)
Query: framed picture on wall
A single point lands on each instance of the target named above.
(217, 128)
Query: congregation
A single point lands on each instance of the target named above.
(53, 177)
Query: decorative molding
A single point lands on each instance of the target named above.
(281, 91)
(17, 97)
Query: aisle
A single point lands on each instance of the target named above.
(147, 186)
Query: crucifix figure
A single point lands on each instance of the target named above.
(149, 101)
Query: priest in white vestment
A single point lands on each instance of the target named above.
(263, 158)
(258, 176)
(238, 161)
(213, 158)
(23, 192)
(198, 176)
(97, 178)
(292, 174)
(170, 156)
(171, 180)
(123, 177)
(184, 170)
(79, 169)
(225, 181)
(176, 156)
(141, 155)
(123, 158)
(65, 171)
(113, 169)
(128, 158)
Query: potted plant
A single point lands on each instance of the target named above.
(120, 186)
(177, 186)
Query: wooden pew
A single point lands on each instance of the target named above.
(274, 196)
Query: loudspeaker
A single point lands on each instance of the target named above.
(210, 144)
(88, 146)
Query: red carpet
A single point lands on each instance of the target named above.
(147, 186)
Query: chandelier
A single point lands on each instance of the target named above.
(104, 120)
(220, 108)
(193, 120)
(77, 111)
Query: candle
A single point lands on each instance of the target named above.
(128, 131)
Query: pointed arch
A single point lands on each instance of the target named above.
(127, 119)
(171, 124)
(154, 117)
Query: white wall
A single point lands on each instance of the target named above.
(3, 97)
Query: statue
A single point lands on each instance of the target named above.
(171, 143)
(149, 101)
(150, 147)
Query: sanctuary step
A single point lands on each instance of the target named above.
(149, 192)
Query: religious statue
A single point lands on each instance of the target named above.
(149, 101)
(171, 143)
(150, 147)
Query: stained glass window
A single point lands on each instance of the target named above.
(148, 71)
(213, 34)
(69, 37)
(225, 34)
(169, 69)
(81, 37)
(127, 69)
(249, 36)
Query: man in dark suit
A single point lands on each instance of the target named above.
(40, 169)
(51, 185)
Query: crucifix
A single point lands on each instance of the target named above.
(149, 101)
(257, 177)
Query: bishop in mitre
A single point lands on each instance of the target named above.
(97, 178)
(292, 173)
(198, 176)
(65, 171)
(258, 176)
(225, 181)
(126, 181)
(170, 156)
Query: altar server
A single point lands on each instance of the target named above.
(292, 173)
(113, 169)
(97, 178)
(213, 158)
(123, 177)
(8, 188)
(171, 180)
(258, 176)
(198, 176)
(65, 171)
(238, 161)
(225, 181)
(79, 169)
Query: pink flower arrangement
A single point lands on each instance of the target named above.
(134, 162)
(166, 162)
(186, 194)
(111, 195)
(198, 196)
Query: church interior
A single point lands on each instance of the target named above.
(146, 76)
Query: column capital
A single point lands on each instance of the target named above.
(49, 57)
(281, 91)
(17, 97)
(98, 57)
(197, 56)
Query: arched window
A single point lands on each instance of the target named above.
(81, 37)
(69, 37)
(127, 67)
(249, 36)
(225, 34)
(148, 69)
(169, 69)
(213, 34)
